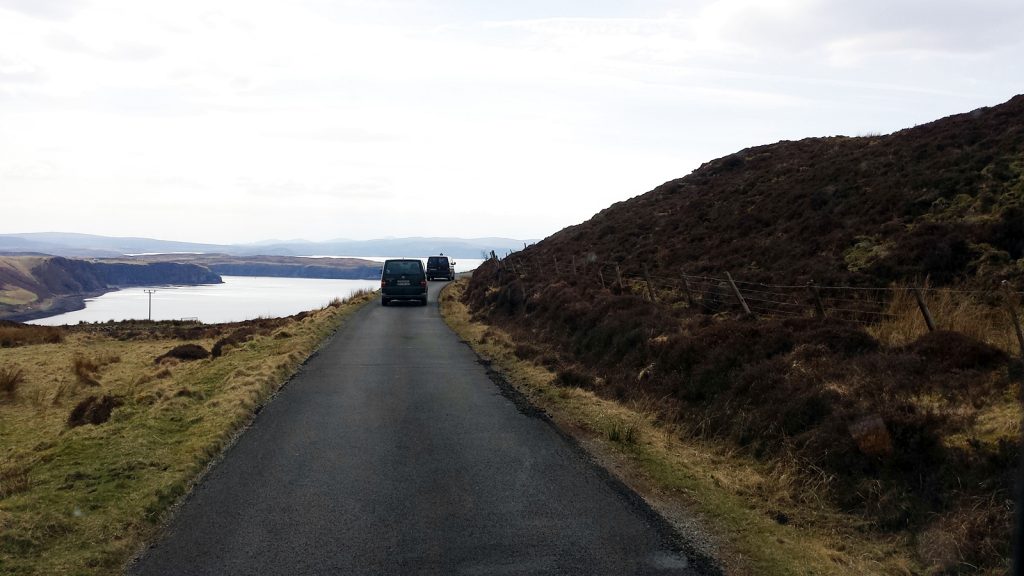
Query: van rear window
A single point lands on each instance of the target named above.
(403, 267)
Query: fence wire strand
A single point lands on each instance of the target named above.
(861, 304)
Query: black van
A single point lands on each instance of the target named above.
(440, 267)
(403, 280)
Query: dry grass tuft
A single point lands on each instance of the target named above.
(85, 371)
(625, 433)
(10, 380)
(355, 296)
(63, 390)
(14, 479)
(986, 320)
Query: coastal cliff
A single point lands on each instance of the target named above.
(34, 286)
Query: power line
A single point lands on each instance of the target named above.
(150, 292)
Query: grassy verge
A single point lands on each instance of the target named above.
(81, 500)
(755, 518)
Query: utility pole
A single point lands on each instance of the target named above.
(150, 292)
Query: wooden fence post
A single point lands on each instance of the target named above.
(618, 277)
(1011, 307)
(686, 288)
(819, 308)
(924, 309)
(650, 285)
(600, 276)
(739, 296)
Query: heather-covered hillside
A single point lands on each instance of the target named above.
(913, 433)
(944, 200)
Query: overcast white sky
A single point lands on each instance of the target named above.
(242, 120)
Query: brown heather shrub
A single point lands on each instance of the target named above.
(184, 352)
(570, 377)
(14, 334)
(93, 410)
(526, 351)
(967, 536)
(10, 379)
(234, 339)
(954, 351)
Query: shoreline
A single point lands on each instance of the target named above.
(60, 305)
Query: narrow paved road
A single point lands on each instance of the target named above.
(394, 453)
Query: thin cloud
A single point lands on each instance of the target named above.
(308, 116)
(18, 71)
(126, 51)
(60, 10)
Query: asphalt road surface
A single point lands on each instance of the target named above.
(393, 452)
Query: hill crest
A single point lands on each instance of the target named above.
(943, 200)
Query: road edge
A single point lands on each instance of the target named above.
(676, 533)
(170, 513)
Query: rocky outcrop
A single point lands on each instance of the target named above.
(120, 274)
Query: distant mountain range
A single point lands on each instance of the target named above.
(93, 246)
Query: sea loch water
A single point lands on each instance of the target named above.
(238, 298)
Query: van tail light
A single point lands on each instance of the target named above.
(423, 283)
(383, 283)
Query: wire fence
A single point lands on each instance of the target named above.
(975, 311)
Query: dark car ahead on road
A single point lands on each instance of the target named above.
(403, 279)
(440, 267)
